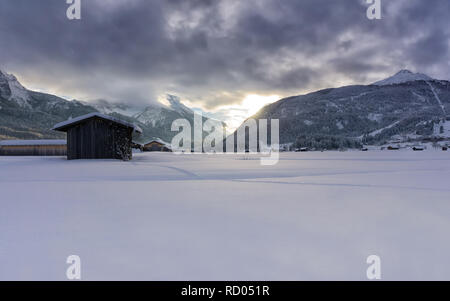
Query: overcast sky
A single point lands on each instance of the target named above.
(214, 53)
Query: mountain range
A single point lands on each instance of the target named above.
(404, 107)
(26, 114)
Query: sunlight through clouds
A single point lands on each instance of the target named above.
(249, 106)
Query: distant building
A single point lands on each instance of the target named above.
(98, 136)
(135, 145)
(393, 148)
(33, 148)
(302, 149)
(156, 146)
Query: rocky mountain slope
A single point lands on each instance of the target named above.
(26, 114)
(406, 106)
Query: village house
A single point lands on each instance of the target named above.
(156, 146)
(98, 136)
(390, 147)
(137, 146)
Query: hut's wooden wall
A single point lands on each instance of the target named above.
(33, 150)
(99, 139)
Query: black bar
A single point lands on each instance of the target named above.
(225, 290)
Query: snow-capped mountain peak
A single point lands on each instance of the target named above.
(13, 90)
(176, 105)
(402, 76)
(152, 115)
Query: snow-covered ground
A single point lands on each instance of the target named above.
(313, 216)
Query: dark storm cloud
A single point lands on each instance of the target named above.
(215, 52)
(430, 49)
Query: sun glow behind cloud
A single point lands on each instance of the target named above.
(234, 115)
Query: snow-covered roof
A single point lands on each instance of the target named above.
(63, 125)
(31, 142)
(159, 140)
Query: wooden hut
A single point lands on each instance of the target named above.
(33, 148)
(98, 136)
(156, 146)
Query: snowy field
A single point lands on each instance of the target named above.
(313, 216)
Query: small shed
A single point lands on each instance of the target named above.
(156, 146)
(98, 136)
(33, 148)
